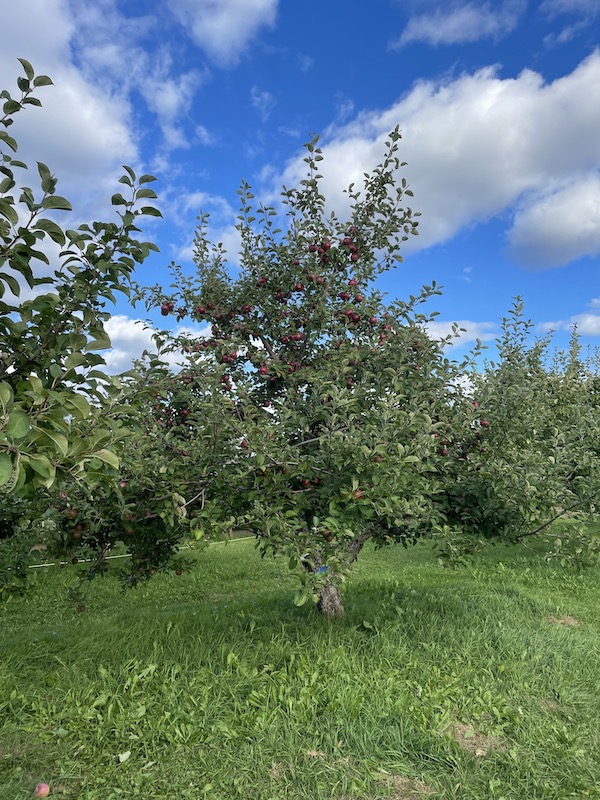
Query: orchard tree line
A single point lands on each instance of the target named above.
(315, 413)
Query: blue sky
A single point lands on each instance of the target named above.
(498, 103)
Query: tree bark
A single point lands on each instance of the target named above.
(330, 601)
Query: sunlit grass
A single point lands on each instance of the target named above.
(477, 682)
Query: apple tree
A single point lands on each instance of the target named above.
(319, 401)
(60, 417)
(527, 454)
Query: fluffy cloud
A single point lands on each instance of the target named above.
(477, 147)
(224, 28)
(131, 337)
(560, 227)
(460, 23)
(586, 324)
(186, 207)
(111, 50)
(84, 131)
(471, 331)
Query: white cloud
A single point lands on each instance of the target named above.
(560, 227)
(344, 107)
(555, 7)
(110, 48)
(186, 207)
(468, 22)
(587, 324)
(582, 11)
(263, 102)
(131, 337)
(224, 28)
(204, 136)
(305, 63)
(477, 147)
(83, 132)
(485, 331)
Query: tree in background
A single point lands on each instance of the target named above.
(534, 456)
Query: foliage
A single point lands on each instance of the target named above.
(309, 410)
(536, 457)
(59, 414)
(319, 403)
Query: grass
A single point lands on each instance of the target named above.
(478, 682)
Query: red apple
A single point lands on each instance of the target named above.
(41, 790)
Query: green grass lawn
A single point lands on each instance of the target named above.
(477, 682)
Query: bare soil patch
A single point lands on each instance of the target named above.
(565, 619)
(403, 788)
(478, 744)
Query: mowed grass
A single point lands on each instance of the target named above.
(476, 682)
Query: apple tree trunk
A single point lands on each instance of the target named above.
(330, 603)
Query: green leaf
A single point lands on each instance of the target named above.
(12, 143)
(61, 442)
(7, 210)
(41, 465)
(57, 202)
(53, 230)
(28, 69)
(13, 283)
(42, 80)
(146, 179)
(18, 424)
(100, 340)
(150, 211)
(108, 457)
(48, 182)
(6, 468)
(74, 360)
(11, 107)
(6, 394)
(148, 193)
